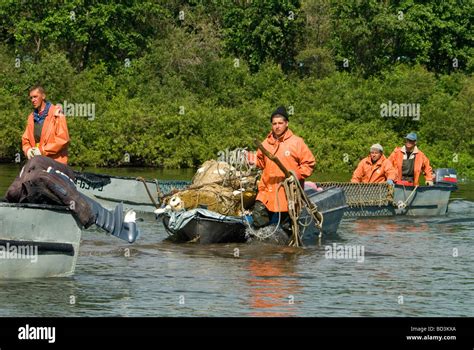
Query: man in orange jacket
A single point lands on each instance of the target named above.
(410, 162)
(375, 168)
(46, 130)
(294, 154)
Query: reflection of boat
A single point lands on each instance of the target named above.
(111, 190)
(380, 199)
(205, 226)
(37, 240)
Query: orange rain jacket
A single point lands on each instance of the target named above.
(295, 155)
(381, 171)
(422, 164)
(54, 139)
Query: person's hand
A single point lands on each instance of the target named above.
(390, 182)
(33, 151)
(429, 183)
(59, 111)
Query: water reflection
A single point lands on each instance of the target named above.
(274, 286)
(370, 226)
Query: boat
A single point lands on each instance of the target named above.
(37, 241)
(381, 199)
(203, 226)
(110, 190)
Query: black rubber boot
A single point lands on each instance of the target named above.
(113, 221)
(260, 215)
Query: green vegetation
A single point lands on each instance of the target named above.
(175, 82)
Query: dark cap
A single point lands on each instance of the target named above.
(411, 136)
(281, 111)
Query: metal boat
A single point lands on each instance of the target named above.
(204, 226)
(37, 241)
(110, 190)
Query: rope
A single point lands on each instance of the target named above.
(297, 200)
(403, 204)
(294, 208)
(148, 191)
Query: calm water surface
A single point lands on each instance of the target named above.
(412, 258)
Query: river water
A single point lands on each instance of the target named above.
(421, 266)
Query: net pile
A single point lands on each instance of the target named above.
(364, 194)
(219, 187)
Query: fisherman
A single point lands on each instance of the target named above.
(295, 156)
(410, 162)
(375, 168)
(46, 129)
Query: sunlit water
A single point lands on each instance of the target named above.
(412, 267)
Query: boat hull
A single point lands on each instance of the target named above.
(424, 201)
(332, 204)
(206, 230)
(128, 190)
(45, 238)
(211, 227)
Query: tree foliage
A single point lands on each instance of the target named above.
(183, 97)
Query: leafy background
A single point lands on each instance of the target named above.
(204, 76)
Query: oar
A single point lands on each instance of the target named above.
(272, 157)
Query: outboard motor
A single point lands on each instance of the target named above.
(445, 177)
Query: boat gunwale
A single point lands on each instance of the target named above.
(450, 188)
(55, 207)
(134, 178)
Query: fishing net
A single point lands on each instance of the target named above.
(167, 187)
(213, 197)
(364, 194)
(224, 174)
(220, 187)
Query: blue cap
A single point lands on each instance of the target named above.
(411, 136)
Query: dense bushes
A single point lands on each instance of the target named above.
(187, 96)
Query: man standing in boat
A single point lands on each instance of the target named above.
(410, 162)
(46, 129)
(375, 168)
(294, 154)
